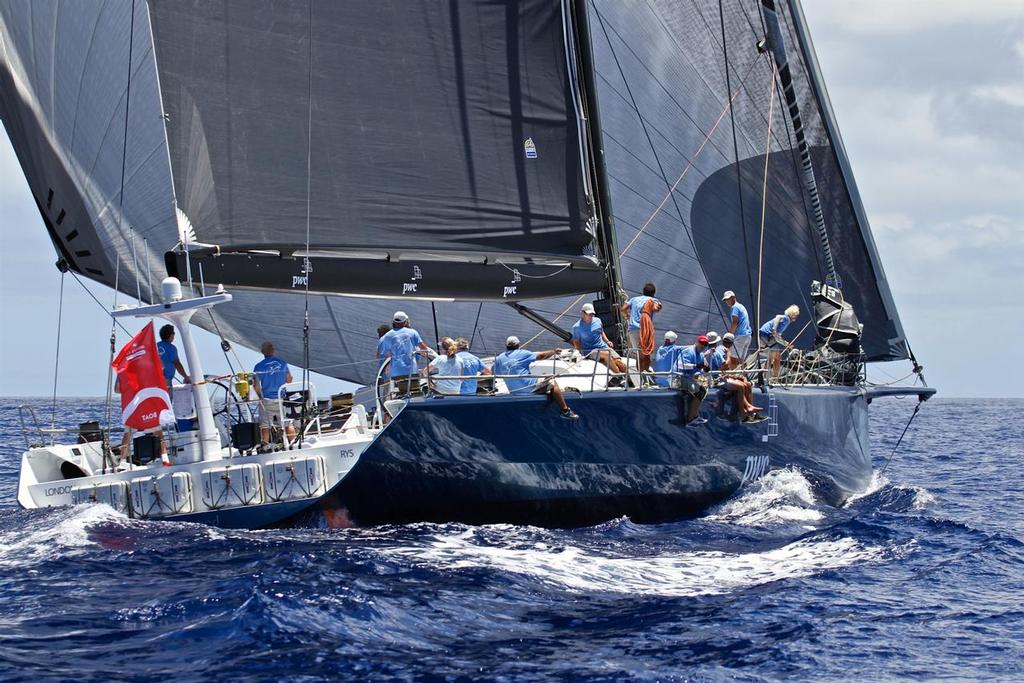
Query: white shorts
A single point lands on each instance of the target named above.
(270, 413)
(634, 338)
(740, 346)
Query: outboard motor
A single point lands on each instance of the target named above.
(838, 327)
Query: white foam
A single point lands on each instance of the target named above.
(922, 496)
(781, 496)
(56, 533)
(673, 575)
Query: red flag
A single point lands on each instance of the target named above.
(141, 380)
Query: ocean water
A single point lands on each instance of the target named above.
(922, 576)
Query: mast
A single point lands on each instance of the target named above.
(605, 228)
(778, 48)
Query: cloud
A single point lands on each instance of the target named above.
(873, 18)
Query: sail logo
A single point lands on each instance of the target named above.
(530, 148)
(409, 287)
(417, 274)
(508, 291)
(756, 467)
(298, 280)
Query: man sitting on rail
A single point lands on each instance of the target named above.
(664, 357)
(589, 339)
(516, 361)
(689, 361)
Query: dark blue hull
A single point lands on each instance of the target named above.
(515, 460)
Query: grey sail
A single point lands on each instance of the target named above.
(664, 94)
(63, 99)
(375, 131)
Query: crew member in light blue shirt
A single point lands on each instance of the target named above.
(401, 345)
(447, 364)
(739, 325)
(169, 355)
(589, 339)
(269, 375)
(770, 336)
(516, 361)
(632, 310)
(471, 365)
(665, 357)
(689, 362)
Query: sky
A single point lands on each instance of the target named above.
(929, 98)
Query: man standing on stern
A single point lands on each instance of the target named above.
(270, 374)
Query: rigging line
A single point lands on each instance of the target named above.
(110, 371)
(917, 409)
(98, 302)
(764, 196)
(124, 142)
(534, 277)
(135, 265)
(689, 165)
(472, 338)
(437, 338)
(306, 265)
(149, 269)
(56, 360)
(736, 152)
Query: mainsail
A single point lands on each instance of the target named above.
(368, 142)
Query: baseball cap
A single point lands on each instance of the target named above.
(671, 336)
(728, 294)
(588, 308)
(702, 339)
(401, 317)
(512, 341)
(729, 336)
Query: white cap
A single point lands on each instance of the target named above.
(729, 335)
(728, 294)
(588, 308)
(671, 336)
(713, 337)
(512, 341)
(401, 317)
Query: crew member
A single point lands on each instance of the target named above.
(664, 358)
(447, 364)
(636, 310)
(739, 325)
(269, 375)
(516, 361)
(588, 337)
(169, 355)
(401, 344)
(770, 337)
(471, 365)
(689, 362)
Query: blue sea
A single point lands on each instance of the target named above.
(920, 577)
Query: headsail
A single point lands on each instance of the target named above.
(687, 194)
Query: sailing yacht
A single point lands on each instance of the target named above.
(491, 166)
